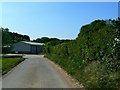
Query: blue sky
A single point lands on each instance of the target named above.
(49, 19)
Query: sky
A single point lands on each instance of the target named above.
(53, 19)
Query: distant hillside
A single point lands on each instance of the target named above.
(50, 41)
(11, 37)
(18, 37)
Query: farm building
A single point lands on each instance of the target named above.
(27, 47)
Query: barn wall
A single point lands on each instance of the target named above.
(33, 49)
(40, 49)
(21, 47)
(36, 49)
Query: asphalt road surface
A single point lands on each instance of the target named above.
(34, 72)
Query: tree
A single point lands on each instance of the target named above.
(26, 37)
(6, 38)
(42, 40)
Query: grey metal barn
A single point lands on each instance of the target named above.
(27, 47)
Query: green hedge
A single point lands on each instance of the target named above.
(93, 58)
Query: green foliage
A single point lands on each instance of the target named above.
(50, 41)
(11, 37)
(93, 58)
(18, 37)
(8, 38)
(96, 76)
(42, 40)
(9, 63)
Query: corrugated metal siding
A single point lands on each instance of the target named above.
(34, 49)
(39, 49)
(21, 47)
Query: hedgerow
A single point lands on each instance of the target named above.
(93, 58)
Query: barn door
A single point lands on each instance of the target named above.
(34, 49)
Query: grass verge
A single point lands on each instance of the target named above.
(8, 63)
(92, 76)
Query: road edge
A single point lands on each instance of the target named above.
(70, 80)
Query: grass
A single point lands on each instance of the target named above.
(93, 75)
(7, 63)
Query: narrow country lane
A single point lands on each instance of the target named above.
(34, 72)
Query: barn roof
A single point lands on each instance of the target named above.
(32, 43)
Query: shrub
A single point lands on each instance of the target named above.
(93, 58)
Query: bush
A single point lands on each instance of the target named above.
(93, 58)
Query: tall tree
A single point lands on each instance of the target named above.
(6, 38)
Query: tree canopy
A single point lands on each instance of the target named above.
(9, 38)
(50, 41)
